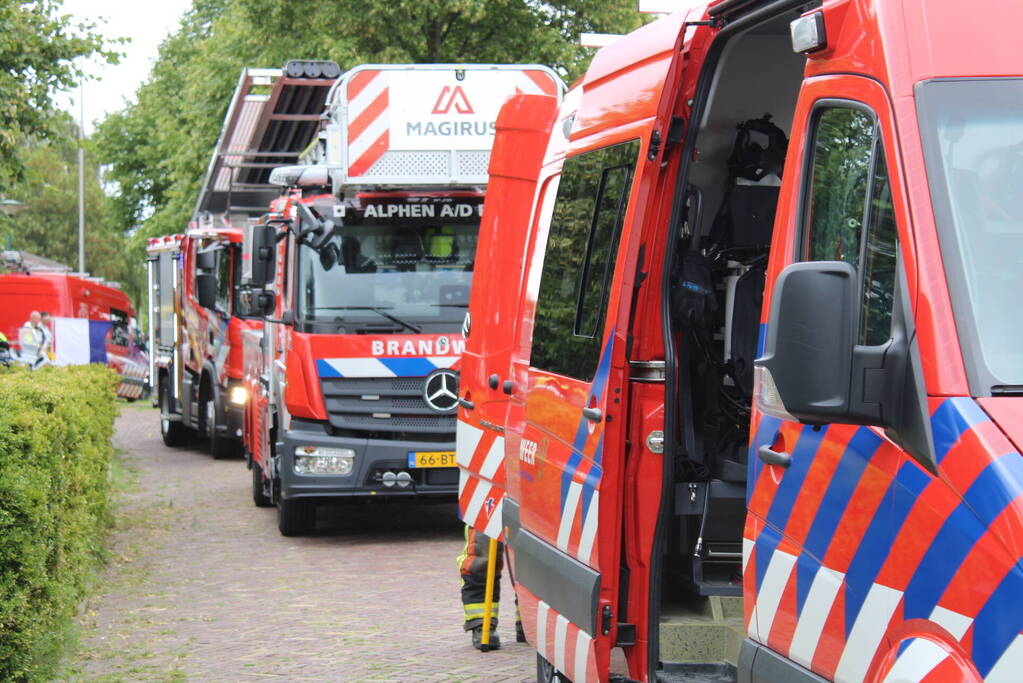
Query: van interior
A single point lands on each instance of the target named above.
(729, 192)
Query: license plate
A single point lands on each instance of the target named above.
(431, 459)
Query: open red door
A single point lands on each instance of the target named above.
(523, 126)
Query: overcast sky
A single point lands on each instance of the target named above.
(146, 23)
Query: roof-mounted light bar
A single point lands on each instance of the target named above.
(300, 176)
(311, 68)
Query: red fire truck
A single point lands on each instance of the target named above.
(368, 260)
(93, 321)
(198, 306)
(824, 187)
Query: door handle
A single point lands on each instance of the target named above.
(508, 387)
(773, 457)
(592, 414)
(467, 404)
(493, 381)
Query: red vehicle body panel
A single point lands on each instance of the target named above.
(204, 333)
(65, 295)
(523, 127)
(207, 359)
(858, 561)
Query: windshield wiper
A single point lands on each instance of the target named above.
(380, 311)
(465, 305)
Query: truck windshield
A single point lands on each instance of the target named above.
(396, 274)
(972, 132)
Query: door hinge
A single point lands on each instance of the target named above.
(655, 145)
(606, 617)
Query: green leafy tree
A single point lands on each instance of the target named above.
(37, 53)
(49, 226)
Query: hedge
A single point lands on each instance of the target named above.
(55, 428)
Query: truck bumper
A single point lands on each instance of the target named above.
(373, 457)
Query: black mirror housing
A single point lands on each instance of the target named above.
(810, 337)
(264, 302)
(206, 259)
(261, 256)
(813, 371)
(206, 290)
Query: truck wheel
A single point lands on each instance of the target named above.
(173, 433)
(222, 446)
(260, 487)
(295, 517)
(546, 673)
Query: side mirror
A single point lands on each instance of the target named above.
(206, 259)
(259, 268)
(206, 290)
(805, 371)
(315, 232)
(813, 370)
(264, 302)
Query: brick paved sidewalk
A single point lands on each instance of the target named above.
(204, 588)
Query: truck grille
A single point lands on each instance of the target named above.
(382, 404)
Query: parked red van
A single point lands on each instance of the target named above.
(92, 319)
(765, 392)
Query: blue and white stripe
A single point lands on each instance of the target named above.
(407, 366)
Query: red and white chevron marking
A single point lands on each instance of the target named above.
(368, 120)
(480, 457)
(133, 376)
(577, 535)
(819, 631)
(565, 645)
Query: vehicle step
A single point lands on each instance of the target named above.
(697, 672)
(705, 630)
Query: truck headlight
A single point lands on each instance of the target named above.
(238, 396)
(320, 460)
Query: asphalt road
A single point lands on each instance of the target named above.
(202, 587)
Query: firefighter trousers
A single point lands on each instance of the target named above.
(472, 565)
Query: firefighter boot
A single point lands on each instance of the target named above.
(477, 639)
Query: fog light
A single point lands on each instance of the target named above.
(319, 460)
(238, 396)
(403, 479)
(388, 478)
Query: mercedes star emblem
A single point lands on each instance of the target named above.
(440, 391)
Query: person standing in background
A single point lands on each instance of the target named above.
(46, 327)
(30, 339)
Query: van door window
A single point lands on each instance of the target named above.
(849, 211)
(580, 259)
(611, 201)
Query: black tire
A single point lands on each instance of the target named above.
(295, 517)
(222, 447)
(174, 433)
(260, 487)
(546, 673)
